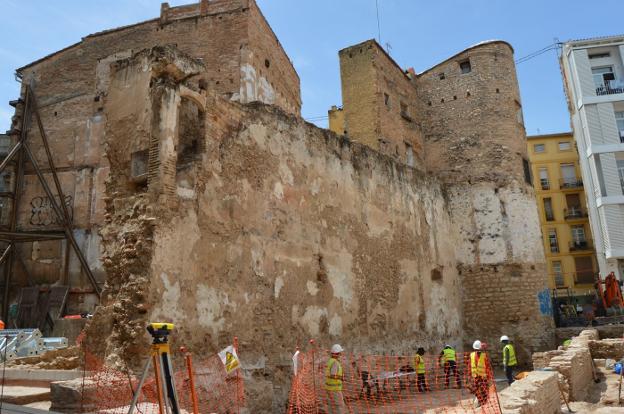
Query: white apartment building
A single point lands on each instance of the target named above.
(593, 71)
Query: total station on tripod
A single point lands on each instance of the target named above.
(160, 331)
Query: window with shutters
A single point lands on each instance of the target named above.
(552, 240)
(544, 181)
(548, 209)
(557, 270)
(584, 269)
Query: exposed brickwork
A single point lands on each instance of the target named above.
(380, 103)
(234, 42)
(473, 122)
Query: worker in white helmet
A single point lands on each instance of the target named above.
(509, 358)
(333, 382)
(479, 371)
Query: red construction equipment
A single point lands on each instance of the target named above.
(610, 294)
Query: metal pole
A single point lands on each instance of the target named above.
(10, 155)
(137, 393)
(19, 178)
(44, 138)
(68, 231)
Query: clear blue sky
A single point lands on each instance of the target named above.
(420, 32)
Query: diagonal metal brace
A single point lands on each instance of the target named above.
(66, 226)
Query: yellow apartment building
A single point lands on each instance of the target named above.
(560, 196)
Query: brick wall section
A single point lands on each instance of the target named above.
(380, 103)
(280, 73)
(500, 299)
(71, 86)
(537, 393)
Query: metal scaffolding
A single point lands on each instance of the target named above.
(20, 153)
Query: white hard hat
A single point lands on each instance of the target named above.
(336, 349)
(476, 345)
(504, 338)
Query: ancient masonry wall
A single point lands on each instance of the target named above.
(233, 40)
(537, 393)
(475, 143)
(282, 233)
(574, 363)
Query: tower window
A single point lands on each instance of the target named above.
(465, 66)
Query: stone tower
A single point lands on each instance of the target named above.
(468, 114)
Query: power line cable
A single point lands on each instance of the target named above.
(539, 52)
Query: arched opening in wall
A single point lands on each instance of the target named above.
(191, 132)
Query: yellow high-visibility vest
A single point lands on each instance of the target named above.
(419, 364)
(477, 364)
(512, 355)
(333, 384)
(449, 354)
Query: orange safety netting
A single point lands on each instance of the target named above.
(110, 391)
(390, 384)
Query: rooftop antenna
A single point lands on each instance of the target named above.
(388, 47)
(378, 25)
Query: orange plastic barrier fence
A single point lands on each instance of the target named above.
(390, 384)
(110, 391)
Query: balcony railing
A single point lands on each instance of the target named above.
(610, 88)
(574, 213)
(580, 245)
(570, 183)
(550, 216)
(545, 183)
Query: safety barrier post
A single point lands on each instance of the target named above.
(191, 377)
(316, 397)
(238, 396)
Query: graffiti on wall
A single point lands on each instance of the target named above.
(545, 302)
(42, 212)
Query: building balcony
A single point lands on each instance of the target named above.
(574, 213)
(545, 184)
(570, 183)
(610, 88)
(581, 246)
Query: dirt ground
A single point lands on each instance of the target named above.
(603, 397)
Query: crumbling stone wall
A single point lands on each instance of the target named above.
(537, 393)
(574, 363)
(235, 44)
(280, 233)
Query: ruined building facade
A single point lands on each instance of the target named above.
(202, 198)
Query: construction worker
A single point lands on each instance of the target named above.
(448, 360)
(509, 358)
(478, 370)
(419, 366)
(333, 382)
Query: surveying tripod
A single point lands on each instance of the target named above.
(160, 357)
